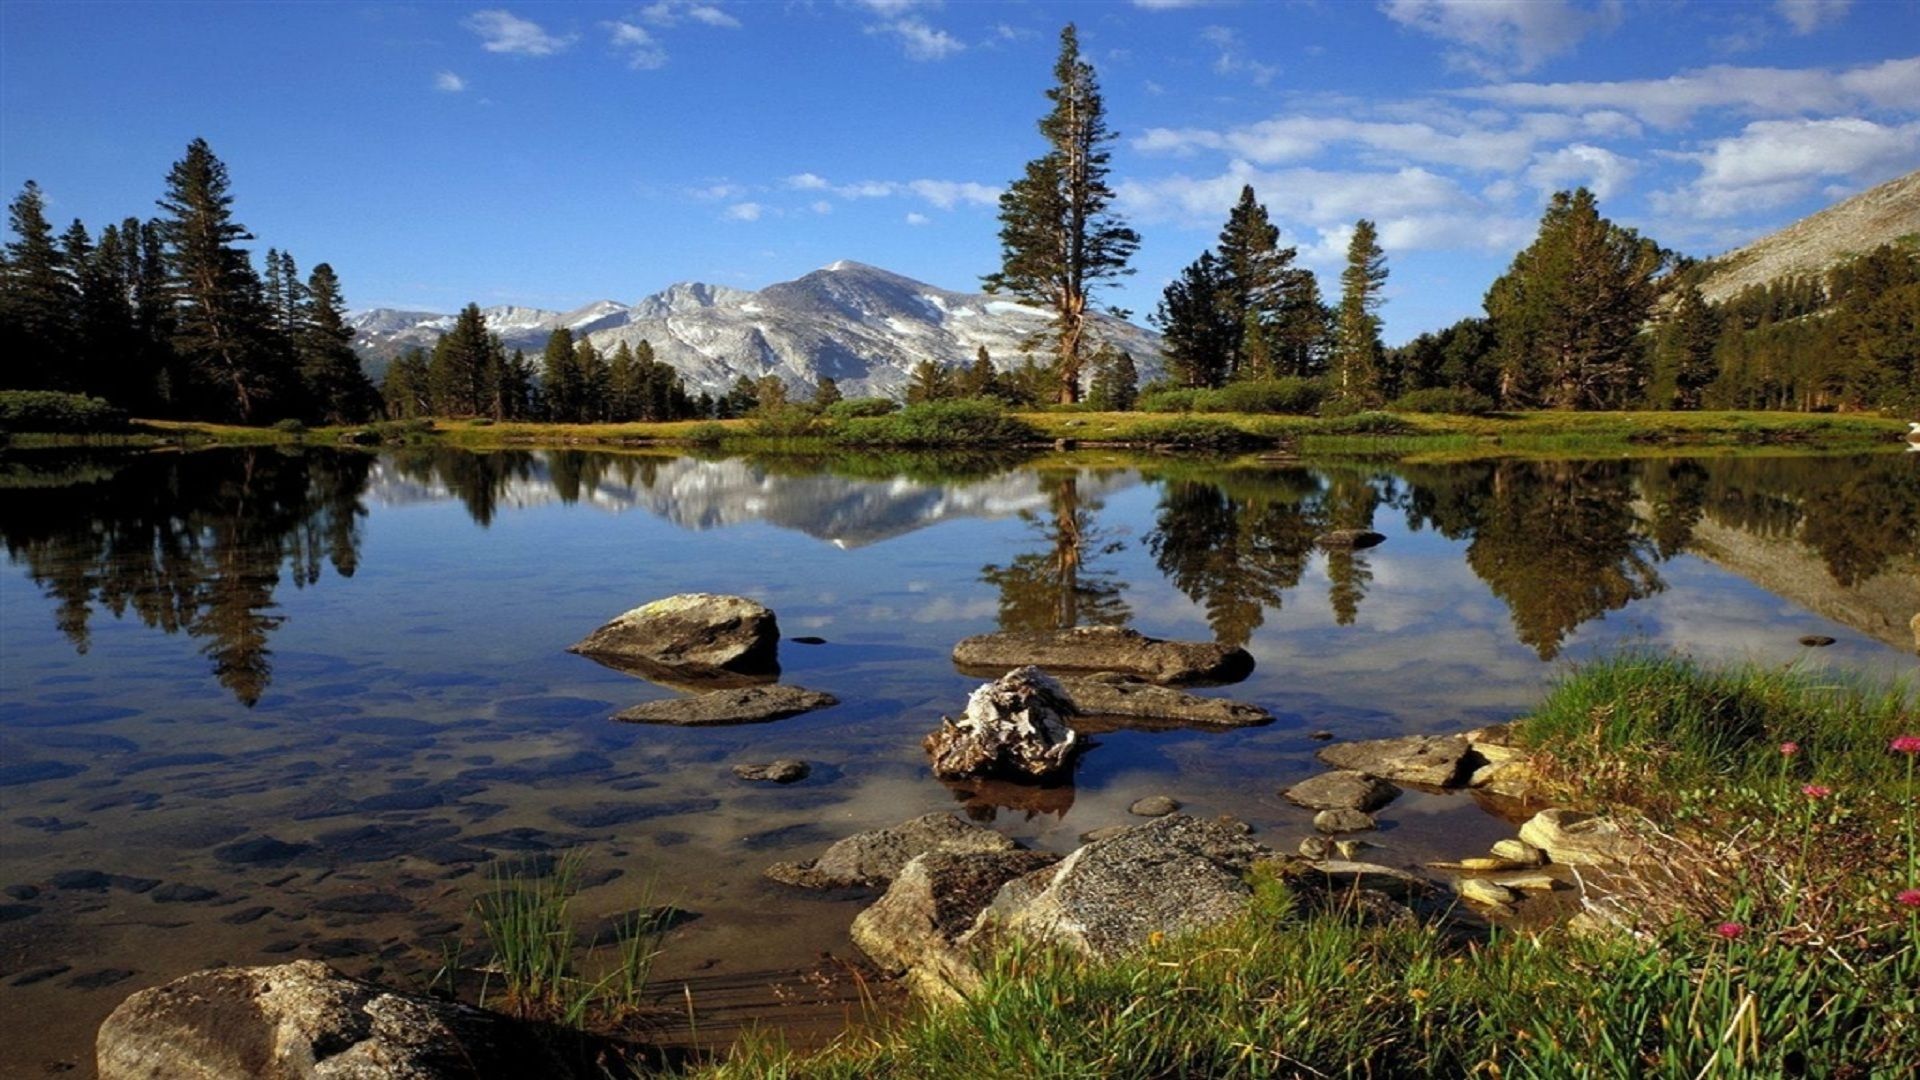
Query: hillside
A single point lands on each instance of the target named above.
(1812, 244)
(865, 327)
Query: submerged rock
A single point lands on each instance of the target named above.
(1153, 806)
(305, 1020)
(1344, 821)
(1433, 760)
(1342, 789)
(1015, 726)
(1114, 694)
(1106, 649)
(876, 857)
(693, 634)
(783, 771)
(914, 929)
(1349, 539)
(1170, 875)
(741, 705)
(1577, 838)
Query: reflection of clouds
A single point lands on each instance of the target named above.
(945, 609)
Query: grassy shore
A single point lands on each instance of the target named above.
(1775, 932)
(1426, 436)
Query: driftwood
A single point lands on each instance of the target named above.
(1014, 727)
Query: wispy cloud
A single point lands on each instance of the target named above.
(1805, 16)
(943, 194)
(448, 83)
(673, 12)
(1498, 36)
(1671, 102)
(643, 53)
(1772, 162)
(917, 218)
(1232, 59)
(501, 31)
(919, 40)
(716, 191)
(1602, 171)
(745, 211)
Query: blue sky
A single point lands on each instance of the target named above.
(555, 154)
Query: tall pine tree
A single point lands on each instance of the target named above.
(337, 390)
(36, 299)
(1059, 239)
(1198, 324)
(1357, 348)
(218, 311)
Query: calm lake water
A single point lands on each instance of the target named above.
(264, 704)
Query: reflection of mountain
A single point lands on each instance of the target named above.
(696, 494)
(1879, 606)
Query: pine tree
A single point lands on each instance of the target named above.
(560, 378)
(101, 320)
(826, 392)
(624, 401)
(593, 382)
(159, 372)
(769, 394)
(1255, 275)
(1301, 332)
(1116, 382)
(456, 376)
(739, 400)
(929, 381)
(337, 390)
(1357, 351)
(36, 299)
(406, 390)
(1683, 351)
(980, 380)
(1058, 238)
(517, 387)
(1198, 326)
(1567, 314)
(219, 315)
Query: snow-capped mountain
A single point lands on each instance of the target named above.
(865, 327)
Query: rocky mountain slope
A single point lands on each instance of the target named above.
(1812, 244)
(865, 327)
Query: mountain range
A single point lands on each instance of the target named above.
(865, 327)
(1888, 213)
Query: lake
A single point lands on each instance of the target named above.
(262, 704)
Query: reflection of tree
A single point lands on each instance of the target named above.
(477, 480)
(1059, 588)
(1676, 493)
(194, 543)
(1236, 548)
(1350, 502)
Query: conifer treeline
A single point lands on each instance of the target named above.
(167, 316)
(471, 374)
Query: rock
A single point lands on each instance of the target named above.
(1816, 641)
(740, 705)
(1576, 838)
(1321, 736)
(692, 634)
(1914, 625)
(914, 928)
(1519, 851)
(1342, 789)
(1113, 694)
(1015, 727)
(783, 771)
(1343, 874)
(1349, 539)
(177, 893)
(1153, 806)
(1516, 779)
(1482, 891)
(1171, 875)
(1351, 849)
(1433, 760)
(1315, 847)
(875, 858)
(1103, 833)
(305, 1020)
(1531, 882)
(1106, 649)
(1480, 865)
(1340, 821)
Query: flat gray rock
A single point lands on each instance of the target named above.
(1342, 789)
(692, 634)
(914, 929)
(1433, 760)
(740, 705)
(1113, 694)
(1106, 649)
(783, 771)
(876, 857)
(1344, 821)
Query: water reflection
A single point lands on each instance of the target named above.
(198, 543)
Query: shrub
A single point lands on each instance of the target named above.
(1182, 400)
(852, 408)
(1366, 423)
(707, 434)
(51, 411)
(290, 426)
(1297, 396)
(1194, 433)
(1444, 399)
(971, 423)
(1333, 408)
(786, 422)
(480, 421)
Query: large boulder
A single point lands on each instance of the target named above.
(1171, 875)
(875, 858)
(1342, 789)
(1015, 726)
(692, 634)
(305, 1020)
(1578, 838)
(914, 928)
(740, 705)
(1105, 648)
(1432, 760)
(1129, 697)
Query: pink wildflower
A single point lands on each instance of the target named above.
(1907, 898)
(1788, 749)
(1730, 930)
(1905, 744)
(1816, 791)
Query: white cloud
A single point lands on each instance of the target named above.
(822, 207)
(642, 51)
(916, 218)
(746, 211)
(672, 12)
(1300, 138)
(1671, 102)
(1772, 162)
(1603, 172)
(807, 182)
(1317, 197)
(1171, 5)
(448, 83)
(1232, 58)
(919, 40)
(717, 191)
(893, 7)
(946, 194)
(1504, 35)
(1806, 15)
(501, 31)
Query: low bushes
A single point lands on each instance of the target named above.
(1194, 433)
(48, 411)
(851, 408)
(1287, 395)
(1444, 399)
(972, 423)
